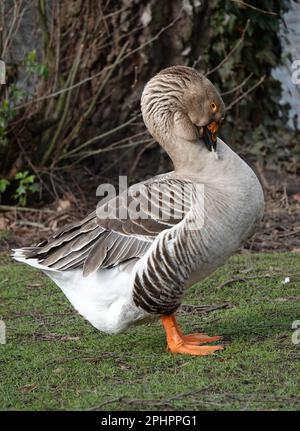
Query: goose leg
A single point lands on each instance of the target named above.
(177, 343)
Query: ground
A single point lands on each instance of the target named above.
(54, 360)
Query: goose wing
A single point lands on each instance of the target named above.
(121, 229)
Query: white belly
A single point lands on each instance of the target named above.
(104, 298)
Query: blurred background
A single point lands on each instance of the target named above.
(70, 116)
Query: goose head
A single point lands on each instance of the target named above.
(182, 110)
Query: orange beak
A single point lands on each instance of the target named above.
(213, 128)
(209, 135)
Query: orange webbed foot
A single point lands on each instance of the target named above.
(187, 344)
(191, 349)
(200, 338)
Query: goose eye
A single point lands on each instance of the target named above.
(213, 107)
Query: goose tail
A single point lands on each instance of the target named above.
(22, 255)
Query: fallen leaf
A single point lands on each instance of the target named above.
(68, 338)
(55, 337)
(296, 197)
(64, 203)
(28, 388)
(3, 223)
(146, 15)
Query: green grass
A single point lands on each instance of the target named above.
(42, 368)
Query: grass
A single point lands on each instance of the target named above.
(54, 360)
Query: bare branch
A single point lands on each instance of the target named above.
(107, 68)
(98, 137)
(87, 112)
(238, 87)
(242, 96)
(111, 148)
(18, 13)
(250, 6)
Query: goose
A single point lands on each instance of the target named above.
(131, 260)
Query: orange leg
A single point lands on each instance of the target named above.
(179, 343)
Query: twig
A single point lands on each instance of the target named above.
(204, 308)
(160, 402)
(232, 280)
(3, 281)
(283, 235)
(116, 160)
(238, 87)
(101, 136)
(242, 96)
(37, 315)
(32, 224)
(14, 25)
(250, 6)
(246, 270)
(41, 7)
(57, 50)
(110, 148)
(35, 170)
(138, 157)
(98, 406)
(15, 208)
(262, 176)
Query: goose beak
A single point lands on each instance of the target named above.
(209, 135)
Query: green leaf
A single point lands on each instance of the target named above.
(34, 188)
(3, 185)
